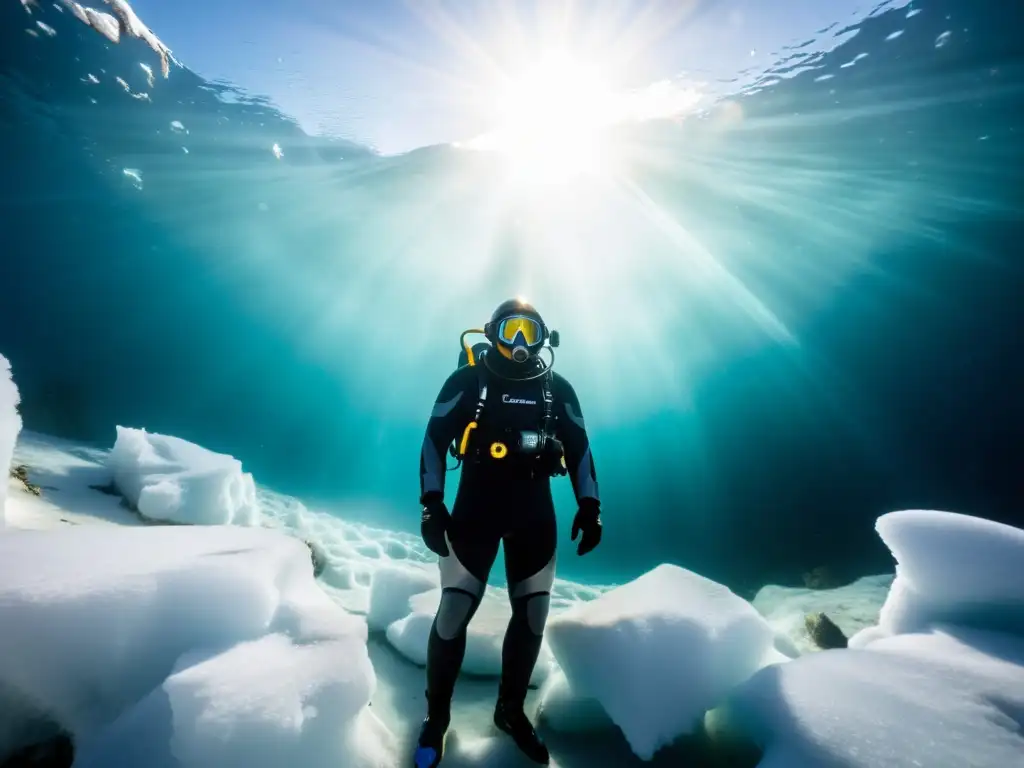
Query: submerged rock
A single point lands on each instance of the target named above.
(20, 473)
(824, 632)
(317, 557)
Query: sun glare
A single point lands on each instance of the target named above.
(552, 120)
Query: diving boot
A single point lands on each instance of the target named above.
(430, 746)
(512, 720)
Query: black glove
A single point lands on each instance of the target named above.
(433, 525)
(587, 520)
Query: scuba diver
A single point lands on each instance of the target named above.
(518, 424)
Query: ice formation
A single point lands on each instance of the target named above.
(123, 22)
(952, 569)
(937, 700)
(172, 480)
(660, 651)
(213, 645)
(10, 426)
(564, 711)
(215, 637)
(939, 682)
(391, 589)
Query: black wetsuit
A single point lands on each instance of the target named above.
(507, 500)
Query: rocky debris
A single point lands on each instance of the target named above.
(318, 558)
(824, 632)
(20, 473)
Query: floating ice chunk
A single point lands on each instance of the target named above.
(391, 588)
(134, 175)
(172, 480)
(659, 651)
(486, 633)
(128, 89)
(278, 152)
(78, 11)
(124, 21)
(952, 568)
(50, 31)
(103, 23)
(918, 700)
(177, 127)
(97, 617)
(10, 427)
(134, 26)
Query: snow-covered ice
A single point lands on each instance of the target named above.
(852, 607)
(136, 628)
(936, 700)
(215, 646)
(69, 475)
(172, 480)
(938, 683)
(10, 426)
(353, 553)
(282, 702)
(391, 589)
(950, 568)
(659, 652)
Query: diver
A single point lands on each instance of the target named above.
(518, 424)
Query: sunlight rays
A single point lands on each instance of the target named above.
(656, 237)
(551, 120)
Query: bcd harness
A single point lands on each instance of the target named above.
(542, 445)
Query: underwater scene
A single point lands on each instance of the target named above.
(502, 383)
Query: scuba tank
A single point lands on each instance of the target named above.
(475, 351)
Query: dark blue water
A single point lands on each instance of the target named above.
(301, 312)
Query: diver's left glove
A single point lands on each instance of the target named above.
(587, 521)
(434, 524)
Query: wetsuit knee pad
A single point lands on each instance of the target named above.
(453, 615)
(534, 610)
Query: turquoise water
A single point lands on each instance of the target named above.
(796, 309)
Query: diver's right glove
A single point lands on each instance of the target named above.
(434, 524)
(587, 520)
